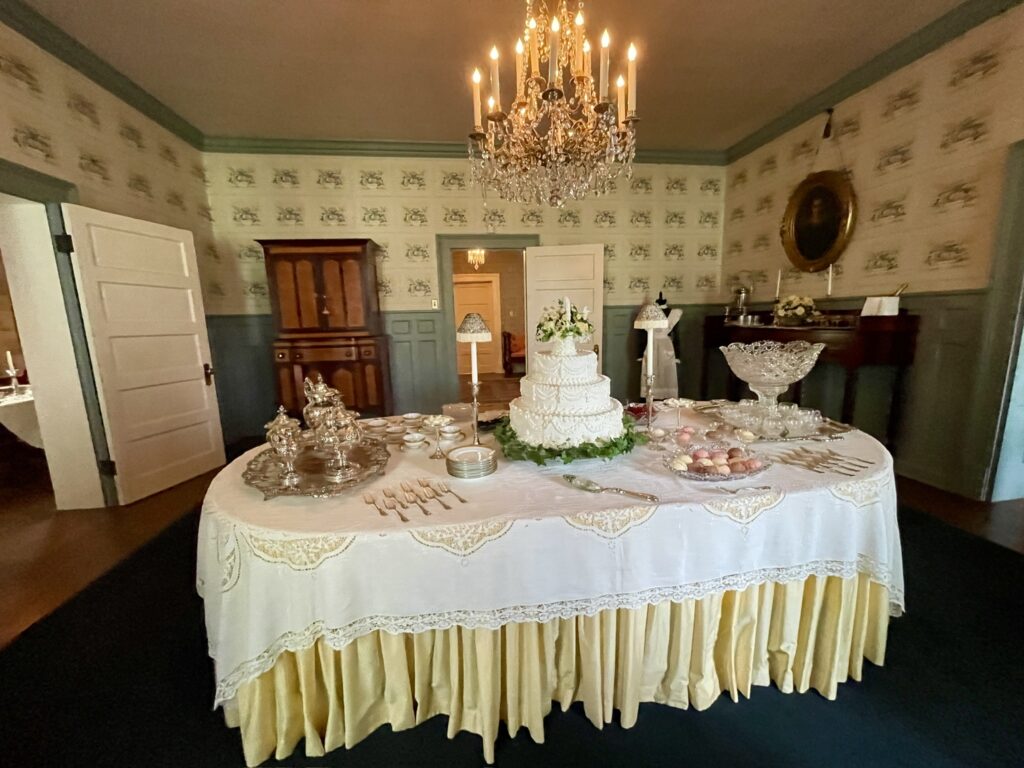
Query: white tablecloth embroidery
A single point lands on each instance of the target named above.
(279, 574)
(18, 414)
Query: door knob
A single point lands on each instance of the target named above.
(208, 373)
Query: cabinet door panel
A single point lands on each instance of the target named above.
(287, 297)
(305, 283)
(334, 294)
(355, 315)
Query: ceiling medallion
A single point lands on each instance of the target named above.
(562, 137)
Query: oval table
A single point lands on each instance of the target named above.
(327, 619)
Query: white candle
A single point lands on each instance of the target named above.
(588, 69)
(567, 306)
(534, 48)
(621, 83)
(631, 76)
(477, 121)
(472, 361)
(778, 285)
(519, 69)
(829, 289)
(553, 55)
(650, 351)
(605, 42)
(495, 82)
(10, 361)
(490, 105)
(579, 43)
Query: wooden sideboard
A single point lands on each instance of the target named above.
(324, 299)
(851, 341)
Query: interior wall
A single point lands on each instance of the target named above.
(509, 267)
(57, 121)
(927, 148)
(662, 228)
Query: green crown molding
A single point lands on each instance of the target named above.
(922, 42)
(360, 148)
(19, 181)
(44, 33)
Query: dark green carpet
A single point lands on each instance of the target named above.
(120, 677)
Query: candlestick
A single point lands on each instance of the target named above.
(477, 121)
(829, 290)
(778, 285)
(605, 42)
(13, 373)
(578, 67)
(631, 74)
(476, 413)
(519, 69)
(553, 55)
(495, 75)
(650, 377)
(490, 106)
(621, 83)
(10, 360)
(534, 48)
(588, 68)
(474, 373)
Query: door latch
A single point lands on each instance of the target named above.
(208, 374)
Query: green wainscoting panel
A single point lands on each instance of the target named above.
(417, 361)
(243, 361)
(620, 348)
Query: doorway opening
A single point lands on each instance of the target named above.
(492, 284)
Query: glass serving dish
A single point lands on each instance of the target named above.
(769, 368)
(674, 464)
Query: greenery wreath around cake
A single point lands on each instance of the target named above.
(516, 449)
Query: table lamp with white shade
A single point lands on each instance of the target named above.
(649, 319)
(474, 330)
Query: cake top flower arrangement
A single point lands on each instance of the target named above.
(564, 321)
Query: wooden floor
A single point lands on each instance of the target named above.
(46, 556)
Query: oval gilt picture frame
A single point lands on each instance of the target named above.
(819, 220)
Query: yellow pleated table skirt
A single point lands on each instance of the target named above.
(804, 634)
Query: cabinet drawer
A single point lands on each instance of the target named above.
(321, 354)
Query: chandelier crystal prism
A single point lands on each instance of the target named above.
(562, 137)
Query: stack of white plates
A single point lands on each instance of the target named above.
(471, 461)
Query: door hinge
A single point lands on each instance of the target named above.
(64, 243)
(108, 467)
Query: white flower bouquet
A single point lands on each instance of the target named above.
(794, 310)
(556, 323)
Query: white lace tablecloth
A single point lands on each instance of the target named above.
(18, 414)
(277, 575)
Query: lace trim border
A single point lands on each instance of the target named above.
(338, 637)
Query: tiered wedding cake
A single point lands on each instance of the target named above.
(565, 402)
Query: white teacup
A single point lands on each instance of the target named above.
(450, 430)
(412, 416)
(395, 430)
(377, 423)
(414, 438)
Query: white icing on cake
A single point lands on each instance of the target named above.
(565, 401)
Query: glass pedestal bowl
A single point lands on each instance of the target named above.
(769, 368)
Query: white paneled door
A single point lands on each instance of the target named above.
(553, 272)
(143, 310)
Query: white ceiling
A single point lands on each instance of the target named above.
(711, 71)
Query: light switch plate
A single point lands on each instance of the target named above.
(433, 303)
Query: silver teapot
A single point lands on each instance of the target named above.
(319, 399)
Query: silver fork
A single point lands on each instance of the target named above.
(369, 499)
(411, 498)
(427, 492)
(443, 487)
(392, 504)
(388, 493)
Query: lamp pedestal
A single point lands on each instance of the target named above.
(650, 399)
(476, 413)
(14, 373)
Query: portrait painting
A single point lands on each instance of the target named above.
(819, 219)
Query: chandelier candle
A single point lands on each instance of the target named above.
(621, 84)
(578, 68)
(553, 56)
(605, 42)
(519, 69)
(478, 124)
(495, 82)
(631, 76)
(531, 31)
(587, 68)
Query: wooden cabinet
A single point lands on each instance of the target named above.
(323, 286)
(324, 299)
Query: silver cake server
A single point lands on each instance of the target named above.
(589, 485)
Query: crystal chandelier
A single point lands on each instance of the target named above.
(562, 137)
(476, 257)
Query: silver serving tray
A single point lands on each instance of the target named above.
(264, 470)
(829, 430)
